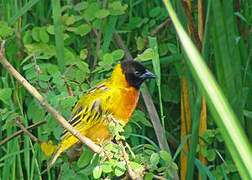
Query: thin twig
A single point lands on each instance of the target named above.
(90, 48)
(159, 177)
(99, 37)
(21, 131)
(17, 121)
(133, 175)
(157, 29)
(121, 44)
(47, 106)
(92, 27)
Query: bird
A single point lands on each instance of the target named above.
(116, 96)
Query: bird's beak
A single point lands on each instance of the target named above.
(148, 75)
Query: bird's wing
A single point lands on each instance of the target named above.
(89, 110)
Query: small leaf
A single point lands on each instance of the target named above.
(35, 34)
(5, 95)
(108, 59)
(83, 66)
(146, 55)
(154, 12)
(154, 159)
(102, 13)
(85, 158)
(211, 154)
(165, 156)
(120, 169)
(140, 43)
(43, 36)
(148, 176)
(80, 6)
(118, 54)
(97, 172)
(50, 29)
(68, 102)
(106, 167)
(117, 8)
(5, 32)
(172, 48)
(83, 29)
(83, 54)
(136, 167)
(70, 20)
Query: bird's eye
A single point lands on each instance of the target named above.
(137, 73)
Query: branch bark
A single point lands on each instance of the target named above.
(21, 131)
(44, 104)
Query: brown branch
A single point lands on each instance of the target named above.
(191, 25)
(133, 175)
(21, 131)
(150, 106)
(155, 31)
(47, 106)
(90, 48)
(121, 44)
(17, 121)
(99, 37)
(159, 177)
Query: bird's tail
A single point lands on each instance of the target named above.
(55, 156)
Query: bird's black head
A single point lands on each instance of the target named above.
(135, 72)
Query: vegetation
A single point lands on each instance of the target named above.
(63, 48)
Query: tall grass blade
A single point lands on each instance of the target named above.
(23, 10)
(224, 116)
(59, 37)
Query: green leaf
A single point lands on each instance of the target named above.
(117, 8)
(172, 48)
(145, 56)
(82, 30)
(50, 29)
(97, 172)
(27, 37)
(85, 158)
(108, 59)
(68, 102)
(136, 167)
(148, 176)
(120, 169)
(83, 54)
(140, 43)
(118, 54)
(154, 12)
(70, 20)
(80, 6)
(89, 12)
(211, 154)
(165, 156)
(43, 35)
(5, 95)
(102, 13)
(5, 32)
(106, 167)
(154, 159)
(36, 34)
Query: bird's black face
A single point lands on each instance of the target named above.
(135, 72)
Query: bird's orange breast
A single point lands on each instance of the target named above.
(124, 104)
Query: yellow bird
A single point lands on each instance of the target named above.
(116, 96)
